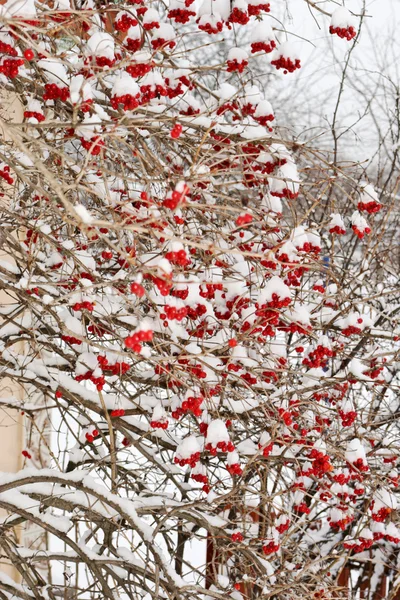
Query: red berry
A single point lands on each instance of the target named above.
(176, 131)
(29, 54)
(137, 289)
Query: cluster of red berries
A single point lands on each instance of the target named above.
(358, 545)
(83, 306)
(26, 454)
(338, 230)
(378, 535)
(86, 105)
(237, 537)
(270, 548)
(302, 508)
(266, 450)
(370, 207)
(151, 25)
(359, 464)
(190, 405)
(278, 302)
(98, 330)
(235, 469)
(174, 90)
(308, 247)
(266, 47)
(99, 382)
(321, 463)
(256, 9)
(210, 28)
(287, 64)
(177, 197)
(34, 290)
(348, 418)
(244, 219)
(342, 523)
(282, 527)
(163, 285)
(196, 312)
(137, 289)
(172, 313)
(10, 67)
(234, 367)
(382, 513)
(346, 33)
(227, 106)
(134, 341)
(241, 17)
(94, 146)
(207, 290)
(118, 368)
(294, 276)
(91, 436)
(191, 461)
(264, 119)
(159, 424)
(317, 357)
(360, 233)
(222, 446)
(286, 415)
(52, 91)
(236, 65)
(248, 378)
(351, 330)
(124, 22)
(127, 101)
(117, 412)
(181, 15)
(31, 235)
(176, 131)
(5, 174)
(7, 49)
(267, 319)
(392, 539)
(341, 478)
(178, 258)
(203, 428)
(31, 114)
(149, 92)
(199, 478)
(69, 339)
(375, 370)
(103, 61)
(285, 193)
(139, 69)
(133, 45)
(159, 43)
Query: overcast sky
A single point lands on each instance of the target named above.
(377, 53)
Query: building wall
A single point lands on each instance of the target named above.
(11, 421)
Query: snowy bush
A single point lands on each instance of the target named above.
(207, 355)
